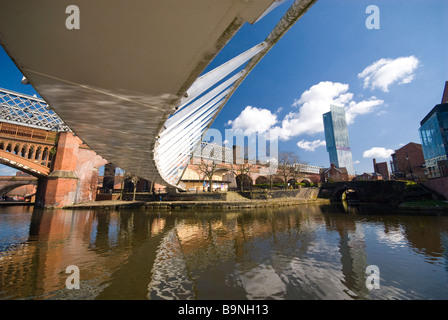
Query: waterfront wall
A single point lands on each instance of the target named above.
(302, 193)
(439, 185)
(183, 196)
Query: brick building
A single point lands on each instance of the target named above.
(408, 162)
(333, 174)
(381, 169)
(368, 177)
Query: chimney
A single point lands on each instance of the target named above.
(374, 165)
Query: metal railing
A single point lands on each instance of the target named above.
(25, 110)
(20, 132)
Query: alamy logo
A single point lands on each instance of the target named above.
(72, 21)
(373, 21)
(373, 278)
(72, 281)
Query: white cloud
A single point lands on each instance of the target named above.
(312, 104)
(357, 108)
(378, 152)
(310, 145)
(384, 72)
(356, 162)
(316, 101)
(252, 120)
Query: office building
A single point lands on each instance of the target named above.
(434, 137)
(336, 137)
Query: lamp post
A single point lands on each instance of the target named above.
(410, 168)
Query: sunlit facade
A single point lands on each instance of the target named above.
(434, 138)
(336, 137)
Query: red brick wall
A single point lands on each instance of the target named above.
(439, 185)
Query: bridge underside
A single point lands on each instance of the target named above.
(117, 79)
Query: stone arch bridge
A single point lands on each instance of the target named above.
(8, 183)
(381, 191)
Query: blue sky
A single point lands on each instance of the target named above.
(388, 79)
(322, 59)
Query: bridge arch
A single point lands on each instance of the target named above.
(345, 193)
(262, 180)
(29, 157)
(307, 182)
(277, 180)
(6, 189)
(244, 181)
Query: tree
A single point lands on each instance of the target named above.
(134, 179)
(208, 168)
(295, 172)
(286, 161)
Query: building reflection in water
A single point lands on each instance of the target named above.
(309, 252)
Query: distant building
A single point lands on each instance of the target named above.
(381, 169)
(306, 168)
(368, 177)
(408, 162)
(333, 174)
(336, 137)
(434, 137)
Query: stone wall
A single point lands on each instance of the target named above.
(181, 196)
(382, 191)
(270, 194)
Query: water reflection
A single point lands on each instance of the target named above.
(309, 252)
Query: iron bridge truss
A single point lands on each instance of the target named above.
(25, 110)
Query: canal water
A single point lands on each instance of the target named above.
(301, 252)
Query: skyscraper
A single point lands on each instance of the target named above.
(336, 137)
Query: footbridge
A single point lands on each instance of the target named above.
(129, 79)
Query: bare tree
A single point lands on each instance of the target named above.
(134, 179)
(286, 161)
(296, 174)
(208, 168)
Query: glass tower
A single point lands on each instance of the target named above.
(336, 137)
(434, 138)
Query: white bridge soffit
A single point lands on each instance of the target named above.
(127, 82)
